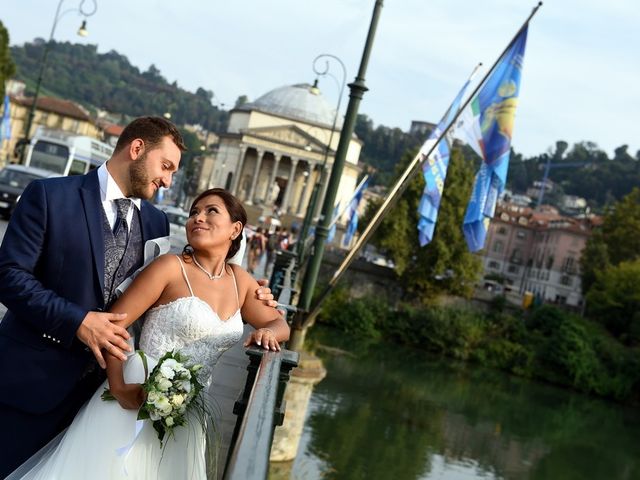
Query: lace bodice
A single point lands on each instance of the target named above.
(190, 326)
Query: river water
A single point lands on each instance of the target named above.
(385, 412)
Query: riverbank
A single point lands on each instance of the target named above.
(545, 343)
(386, 411)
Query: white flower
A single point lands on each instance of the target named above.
(168, 421)
(153, 415)
(168, 368)
(177, 400)
(164, 384)
(153, 397)
(163, 406)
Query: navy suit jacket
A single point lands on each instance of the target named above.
(51, 275)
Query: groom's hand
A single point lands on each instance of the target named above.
(97, 331)
(264, 293)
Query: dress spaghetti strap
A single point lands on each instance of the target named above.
(233, 275)
(184, 274)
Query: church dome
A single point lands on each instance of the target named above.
(300, 102)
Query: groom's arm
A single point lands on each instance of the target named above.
(21, 291)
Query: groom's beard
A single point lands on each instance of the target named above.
(139, 177)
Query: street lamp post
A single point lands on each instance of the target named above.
(83, 32)
(301, 321)
(322, 177)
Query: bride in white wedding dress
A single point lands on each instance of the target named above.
(194, 303)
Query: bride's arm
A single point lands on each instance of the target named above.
(142, 294)
(271, 327)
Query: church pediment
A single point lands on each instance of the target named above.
(289, 135)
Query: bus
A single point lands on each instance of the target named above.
(66, 153)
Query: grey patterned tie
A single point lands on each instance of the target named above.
(121, 228)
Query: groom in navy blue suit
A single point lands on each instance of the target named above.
(55, 281)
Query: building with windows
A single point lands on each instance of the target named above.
(51, 113)
(538, 251)
(273, 151)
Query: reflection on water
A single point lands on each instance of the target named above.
(385, 412)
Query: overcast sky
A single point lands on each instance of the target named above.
(581, 76)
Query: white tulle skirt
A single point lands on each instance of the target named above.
(101, 443)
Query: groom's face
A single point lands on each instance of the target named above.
(154, 168)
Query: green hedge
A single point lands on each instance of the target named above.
(547, 343)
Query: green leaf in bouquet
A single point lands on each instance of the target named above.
(107, 396)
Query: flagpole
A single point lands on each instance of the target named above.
(401, 185)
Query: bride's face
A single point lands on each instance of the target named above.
(210, 224)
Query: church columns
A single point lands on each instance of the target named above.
(236, 175)
(256, 173)
(287, 193)
(304, 195)
(272, 178)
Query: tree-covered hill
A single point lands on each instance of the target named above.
(108, 81)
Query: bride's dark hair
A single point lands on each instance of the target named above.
(236, 212)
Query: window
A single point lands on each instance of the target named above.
(569, 265)
(494, 265)
(498, 246)
(566, 280)
(502, 231)
(77, 167)
(516, 256)
(513, 269)
(521, 235)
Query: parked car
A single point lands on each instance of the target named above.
(13, 180)
(177, 221)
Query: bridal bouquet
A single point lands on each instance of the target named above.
(172, 390)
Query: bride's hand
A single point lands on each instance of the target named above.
(130, 396)
(265, 338)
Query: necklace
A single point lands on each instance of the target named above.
(211, 277)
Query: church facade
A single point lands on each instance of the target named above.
(274, 151)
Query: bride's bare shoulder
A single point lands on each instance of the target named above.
(166, 264)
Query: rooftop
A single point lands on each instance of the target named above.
(300, 102)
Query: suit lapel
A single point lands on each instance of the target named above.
(145, 222)
(92, 203)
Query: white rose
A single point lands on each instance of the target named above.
(168, 368)
(177, 400)
(164, 384)
(153, 397)
(153, 415)
(168, 421)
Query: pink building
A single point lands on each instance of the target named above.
(538, 251)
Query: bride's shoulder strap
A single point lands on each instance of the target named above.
(235, 284)
(184, 274)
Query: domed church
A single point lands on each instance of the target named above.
(272, 153)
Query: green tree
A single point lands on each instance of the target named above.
(445, 266)
(614, 300)
(7, 66)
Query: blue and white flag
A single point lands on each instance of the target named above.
(434, 171)
(487, 125)
(332, 229)
(352, 225)
(5, 124)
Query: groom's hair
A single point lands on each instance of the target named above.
(151, 130)
(236, 212)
